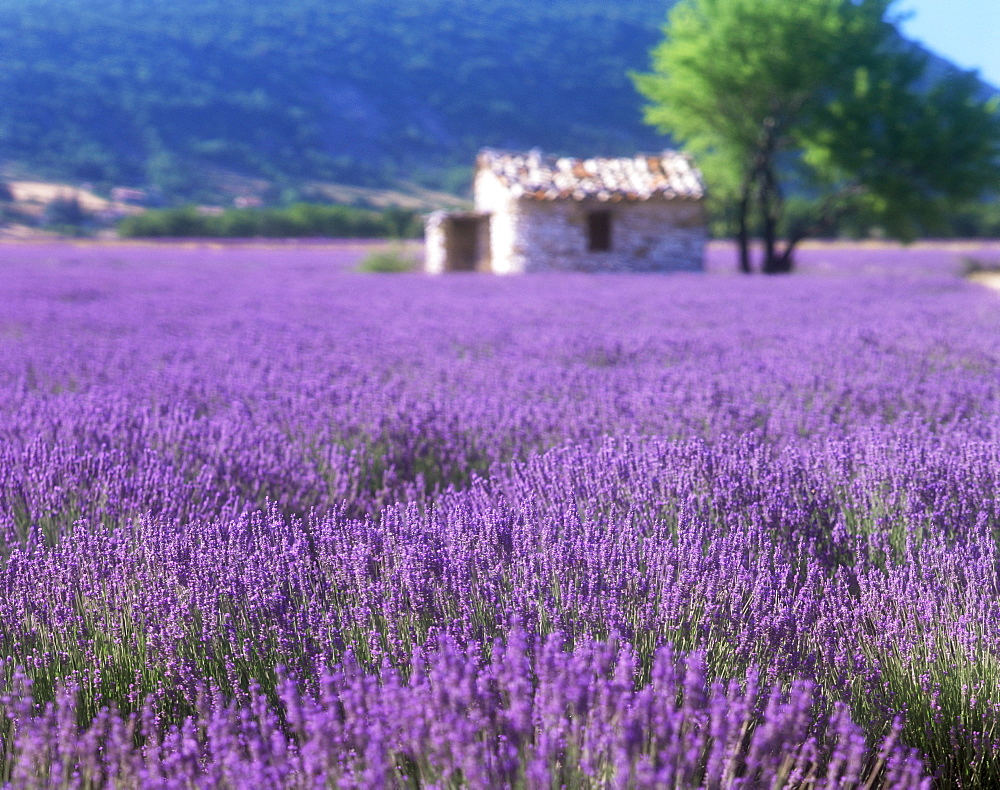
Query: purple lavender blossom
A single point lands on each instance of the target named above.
(265, 522)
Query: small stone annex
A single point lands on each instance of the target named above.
(537, 213)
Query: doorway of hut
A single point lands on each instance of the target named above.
(468, 243)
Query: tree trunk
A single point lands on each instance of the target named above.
(769, 233)
(743, 233)
(771, 206)
(786, 261)
(830, 209)
(770, 199)
(770, 226)
(782, 264)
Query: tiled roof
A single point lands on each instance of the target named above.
(666, 175)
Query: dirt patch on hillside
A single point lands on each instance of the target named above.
(44, 193)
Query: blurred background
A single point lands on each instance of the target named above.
(110, 108)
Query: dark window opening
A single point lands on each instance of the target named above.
(463, 246)
(599, 231)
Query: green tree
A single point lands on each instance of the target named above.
(825, 98)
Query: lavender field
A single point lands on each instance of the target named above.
(265, 522)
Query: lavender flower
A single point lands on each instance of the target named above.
(267, 523)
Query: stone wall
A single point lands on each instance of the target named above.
(494, 199)
(435, 243)
(648, 236)
(527, 235)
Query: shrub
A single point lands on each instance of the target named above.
(65, 211)
(296, 221)
(392, 260)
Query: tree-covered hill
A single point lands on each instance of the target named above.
(177, 94)
(201, 99)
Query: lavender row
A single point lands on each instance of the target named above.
(868, 568)
(202, 391)
(210, 470)
(529, 717)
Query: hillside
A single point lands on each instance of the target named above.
(204, 100)
(195, 96)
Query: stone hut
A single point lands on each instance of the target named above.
(535, 213)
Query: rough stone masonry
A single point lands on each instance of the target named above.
(535, 213)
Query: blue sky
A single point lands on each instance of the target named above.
(966, 32)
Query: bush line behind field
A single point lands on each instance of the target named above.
(297, 220)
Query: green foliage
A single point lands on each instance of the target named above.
(168, 94)
(823, 97)
(67, 217)
(297, 221)
(65, 211)
(178, 97)
(393, 260)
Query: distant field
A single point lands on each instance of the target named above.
(265, 522)
(875, 257)
(849, 258)
(337, 255)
